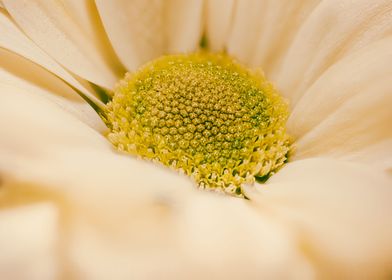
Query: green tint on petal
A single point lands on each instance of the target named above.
(203, 114)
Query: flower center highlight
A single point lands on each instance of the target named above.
(203, 114)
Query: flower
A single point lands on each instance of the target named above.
(73, 208)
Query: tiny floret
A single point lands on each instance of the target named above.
(202, 114)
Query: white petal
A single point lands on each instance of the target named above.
(378, 155)
(126, 215)
(43, 144)
(246, 25)
(193, 237)
(85, 13)
(354, 75)
(333, 30)
(52, 26)
(184, 21)
(219, 17)
(31, 124)
(227, 238)
(28, 242)
(143, 30)
(348, 108)
(14, 40)
(135, 29)
(28, 76)
(263, 30)
(339, 211)
(283, 19)
(357, 124)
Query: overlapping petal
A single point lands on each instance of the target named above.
(347, 109)
(339, 213)
(122, 218)
(14, 40)
(28, 240)
(194, 237)
(57, 29)
(261, 31)
(143, 30)
(332, 31)
(62, 151)
(123, 214)
(219, 16)
(23, 74)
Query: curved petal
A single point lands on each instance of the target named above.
(339, 211)
(21, 73)
(28, 242)
(184, 22)
(246, 25)
(85, 14)
(125, 216)
(354, 126)
(143, 30)
(55, 29)
(47, 125)
(226, 237)
(347, 131)
(195, 237)
(363, 71)
(219, 16)
(283, 21)
(134, 29)
(333, 30)
(43, 144)
(14, 40)
(349, 106)
(378, 155)
(261, 31)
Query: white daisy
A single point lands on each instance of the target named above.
(72, 207)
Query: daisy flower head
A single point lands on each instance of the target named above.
(112, 113)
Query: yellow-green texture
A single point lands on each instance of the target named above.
(203, 114)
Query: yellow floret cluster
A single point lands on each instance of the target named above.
(203, 114)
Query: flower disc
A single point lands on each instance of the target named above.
(203, 114)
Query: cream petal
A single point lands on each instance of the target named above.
(247, 23)
(21, 73)
(263, 30)
(349, 106)
(339, 212)
(106, 186)
(184, 22)
(378, 155)
(134, 29)
(227, 238)
(333, 30)
(283, 19)
(14, 40)
(45, 124)
(361, 72)
(187, 237)
(123, 211)
(43, 144)
(56, 29)
(143, 30)
(85, 13)
(219, 16)
(354, 126)
(29, 242)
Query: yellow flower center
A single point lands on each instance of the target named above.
(203, 114)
